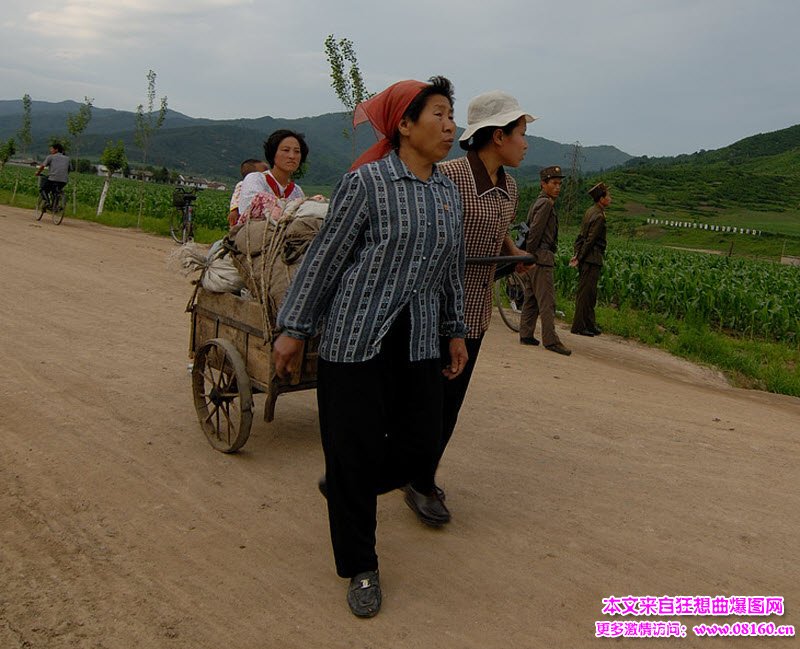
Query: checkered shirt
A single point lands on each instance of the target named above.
(488, 212)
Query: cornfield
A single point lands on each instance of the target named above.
(211, 208)
(749, 297)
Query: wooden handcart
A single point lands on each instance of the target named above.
(232, 361)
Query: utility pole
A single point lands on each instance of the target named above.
(570, 198)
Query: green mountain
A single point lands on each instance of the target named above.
(760, 173)
(214, 148)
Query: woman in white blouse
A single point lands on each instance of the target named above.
(285, 151)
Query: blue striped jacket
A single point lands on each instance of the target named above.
(390, 240)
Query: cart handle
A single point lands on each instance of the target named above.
(507, 259)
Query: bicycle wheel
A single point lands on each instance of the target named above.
(176, 228)
(58, 208)
(509, 295)
(41, 207)
(188, 232)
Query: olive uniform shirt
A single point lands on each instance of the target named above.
(542, 241)
(590, 245)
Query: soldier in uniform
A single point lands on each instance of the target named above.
(590, 246)
(542, 242)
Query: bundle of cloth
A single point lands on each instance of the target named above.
(267, 249)
(217, 271)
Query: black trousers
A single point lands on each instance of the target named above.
(586, 298)
(380, 422)
(51, 186)
(454, 392)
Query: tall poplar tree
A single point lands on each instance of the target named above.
(76, 125)
(346, 79)
(147, 123)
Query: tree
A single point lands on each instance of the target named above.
(76, 125)
(7, 149)
(347, 83)
(84, 166)
(147, 123)
(23, 135)
(114, 159)
(161, 175)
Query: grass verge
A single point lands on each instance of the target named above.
(159, 226)
(747, 363)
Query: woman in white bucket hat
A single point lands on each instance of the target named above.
(494, 138)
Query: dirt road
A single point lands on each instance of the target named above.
(617, 471)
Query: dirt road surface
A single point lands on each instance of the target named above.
(617, 471)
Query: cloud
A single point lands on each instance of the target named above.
(82, 28)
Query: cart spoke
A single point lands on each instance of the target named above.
(221, 385)
(212, 412)
(228, 418)
(225, 411)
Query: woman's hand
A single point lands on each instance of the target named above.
(458, 358)
(520, 268)
(287, 355)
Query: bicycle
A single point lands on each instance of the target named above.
(509, 293)
(52, 200)
(182, 230)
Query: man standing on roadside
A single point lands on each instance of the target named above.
(538, 282)
(590, 247)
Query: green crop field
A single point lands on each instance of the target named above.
(211, 208)
(746, 297)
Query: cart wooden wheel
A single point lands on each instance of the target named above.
(223, 396)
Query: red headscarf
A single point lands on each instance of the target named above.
(384, 111)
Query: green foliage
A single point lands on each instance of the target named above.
(211, 208)
(114, 157)
(84, 166)
(161, 175)
(755, 363)
(77, 123)
(149, 122)
(146, 124)
(760, 173)
(7, 149)
(741, 296)
(24, 133)
(347, 82)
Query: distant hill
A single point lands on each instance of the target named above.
(761, 172)
(214, 148)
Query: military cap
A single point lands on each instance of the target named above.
(598, 191)
(550, 172)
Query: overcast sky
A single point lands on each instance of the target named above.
(652, 77)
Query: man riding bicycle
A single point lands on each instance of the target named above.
(59, 171)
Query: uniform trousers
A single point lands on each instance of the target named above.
(540, 302)
(586, 299)
(380, 422)
(454, 391)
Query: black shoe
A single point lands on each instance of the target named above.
(428, 508)
(558, 348)
(439, 493)
(584, 332)
(364, 594)
(529, 341)
(596, 331)
(322, 485)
